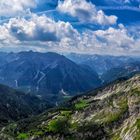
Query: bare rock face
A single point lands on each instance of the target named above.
(109, 113)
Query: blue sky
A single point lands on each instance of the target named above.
(80, 26)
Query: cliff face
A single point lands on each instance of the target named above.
(110, 113)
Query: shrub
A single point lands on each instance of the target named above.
(22, 136)
(81, 105)
(58, 125)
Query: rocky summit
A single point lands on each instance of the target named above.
(109, 113)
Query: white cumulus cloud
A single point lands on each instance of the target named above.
(85, 12)
(15, 7)
(41, 33)
(35, 28)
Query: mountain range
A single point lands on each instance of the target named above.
(69, 97)
(109, 68)
(57, 77)
(103, 63)
(48, 74)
